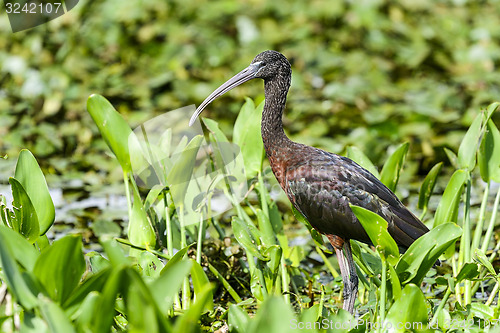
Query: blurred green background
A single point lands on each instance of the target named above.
(366, 73)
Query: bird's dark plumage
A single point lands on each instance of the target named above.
(319, 184)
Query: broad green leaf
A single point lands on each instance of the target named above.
(246, 134)
(355, 154)
(25, 221)
(114, 129)
(200, 280)
(423, 253)
(409, 308)
(395, 284)
(29, 174)
(392, 167)
(268, 236)
(143, 313)
(311, 314)
(481, 257)
(246, 238)
(93, 283)
(181, 173)
(376, 228)
(214, 129)
(85, 311)
(104, 312)
(483, 311)
(140, 230)
(469, 145)
(24, 252)
(452, 157)
(274, 253)
(60, 267)
(238, 319)
(428, 186)
(467, 272)
(188, 322)
(274, 315)
(489, 154)
(55, 317)
(20, 284)
(114, 252)
(447, 209)
(176, 258)
(343, 322)
(489, 111)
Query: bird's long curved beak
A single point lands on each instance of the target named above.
(242, 77)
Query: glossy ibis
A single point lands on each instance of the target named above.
(319, 184)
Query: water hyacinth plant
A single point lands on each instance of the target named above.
(186, 267)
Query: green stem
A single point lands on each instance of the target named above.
(127, 193)
(265, 226)
(491, 226)
(327, 262)
(492, 295)
(170, 241)
(224, 282)
(383, 294)
(285, 280)
(440, 307)
(201, 231)
(480, 221)
(466, 239)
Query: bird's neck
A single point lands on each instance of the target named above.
(272, 124)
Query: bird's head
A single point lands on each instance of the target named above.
(266, 65)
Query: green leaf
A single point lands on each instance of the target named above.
(245, 236)
(55, 317)
(200, 280)
(238, 319)
(395, 283)
(60, 267)
(447, 209)
(423, 253)
(481, 257)
(114, 252)
(24, 252)
(181, 173)
(29, 174)
(188, 322)
(483, 311)
(409, 308)
(273, 316)
(140, 230)
(143, 313)
(176, 258)
(468, 147)
(114, 129)
(94, 282)
(355, 154)
(376, 228)
(246, 134)
(428, 186)
(392, 167)
(20, 284)
(25, 221)
(489, 111)
(104, 312)
(214, 129)
(489, 154)
(467, 272)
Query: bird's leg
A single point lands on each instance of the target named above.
(353, 278)
(347, 270)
